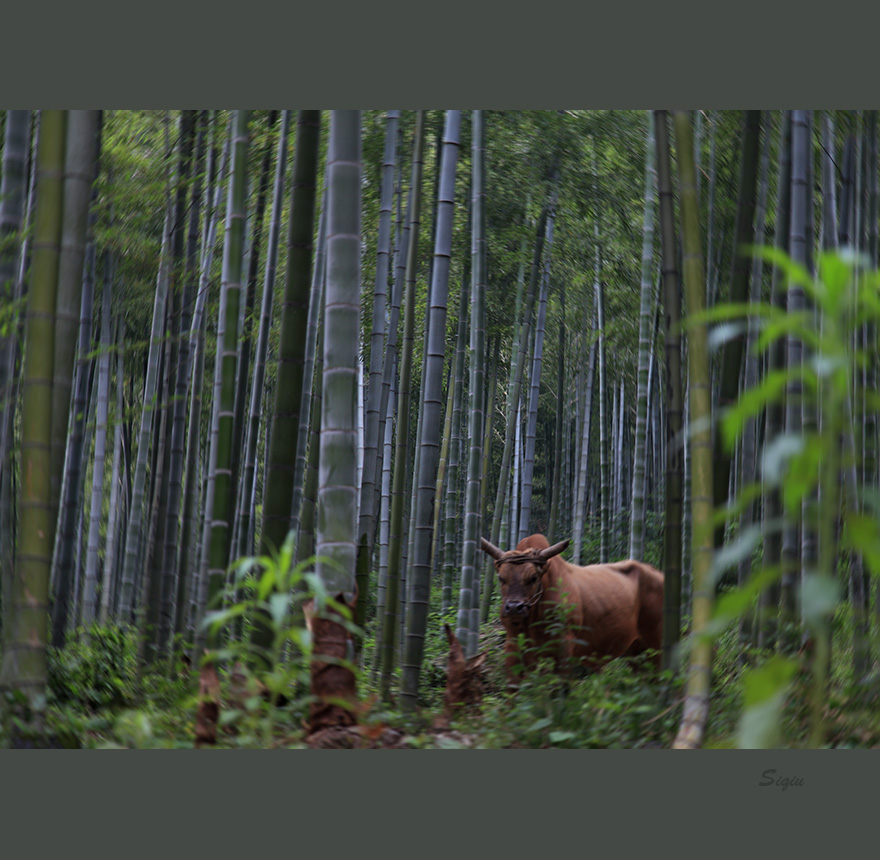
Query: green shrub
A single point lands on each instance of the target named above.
(96, 669)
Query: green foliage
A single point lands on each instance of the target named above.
(765, 692)
(11, 312)
(806, 468)
(276, 589)
(615, 709)
(96, 670)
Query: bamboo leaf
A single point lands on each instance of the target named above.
(796, 274)
(825, 365)
(737, 505)
(754, 400)
(765, 690)
(794, 324)
(732, 311)
(733, 553)
(848, 254)
(279, 606)
(777, 453)
(735, 603)
(215, 620)
(725, 332)
(836, 274)
(861, 535)
(819, 596)
(802, 474)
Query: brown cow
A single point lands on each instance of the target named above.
(609, 610)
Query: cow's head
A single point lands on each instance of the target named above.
(520, 573)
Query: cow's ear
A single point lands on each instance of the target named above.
(490, 548)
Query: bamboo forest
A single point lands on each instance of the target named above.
(426, 429)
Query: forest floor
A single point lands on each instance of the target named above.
(98, 699)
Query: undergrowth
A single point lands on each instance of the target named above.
(98, 699)
(99, 696)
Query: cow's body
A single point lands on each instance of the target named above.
(608, 610)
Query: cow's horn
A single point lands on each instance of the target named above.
(490, 548)
(554, 550)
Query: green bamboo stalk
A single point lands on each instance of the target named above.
(109, 581)
(336, 539)
(749, 461)
(388, 410)
(319, 277)
(617, 458)
(516, 482)
(391, 350)
(396, 538)
(78, 166)
(710, 229)
(437, 535)
(384, 521)
(429, 449)
(513, 400)
(452, 494)
(176, 580)
(188, 575)
(278, 493)
(24, 653)
(559, 481)
(488, 428)
(869, 374)
(583, 468)
(637, 517)
(772, 557)
(467, 630)
(149, 588)
(305, 545)
(696, 705)
(240, 492)
(75, 314)
(535, 383)
(228, 342)
(845, 224)
(369, 501)
(13, 188)
(71, 496)
(604, 471)
(134, 529)
(791, 545)
(740, 272)
(574, 404)
(290, 381)
(491, 397)
(183, 273)
(253, 428)
(859, 586)
(136, 575)
(450, 448)
(90, 585)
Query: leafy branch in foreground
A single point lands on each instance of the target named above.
(286, 597)
(806, 467)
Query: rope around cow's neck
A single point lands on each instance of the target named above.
(539, 595)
